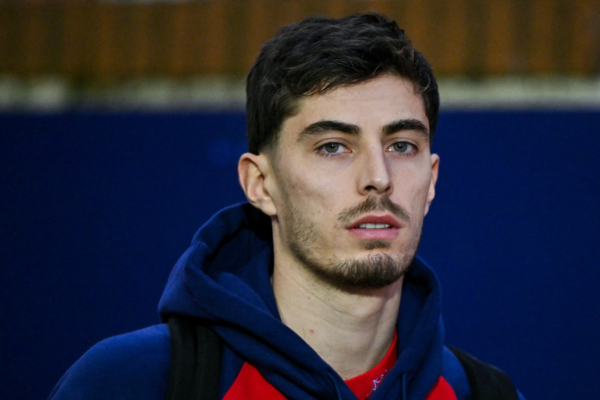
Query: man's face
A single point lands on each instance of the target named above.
(354, 177)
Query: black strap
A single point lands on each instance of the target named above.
(486, 382)
(195, 360)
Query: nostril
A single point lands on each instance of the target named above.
(378, 188)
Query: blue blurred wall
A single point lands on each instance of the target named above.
(95, 208)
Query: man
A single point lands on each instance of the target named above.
(313, 288)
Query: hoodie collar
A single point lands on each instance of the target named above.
(224, 278)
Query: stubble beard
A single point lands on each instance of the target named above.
(372, 271)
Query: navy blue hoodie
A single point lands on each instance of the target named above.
(224, 278)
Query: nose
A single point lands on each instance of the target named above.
(374, 175)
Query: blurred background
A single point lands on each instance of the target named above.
(121, 123)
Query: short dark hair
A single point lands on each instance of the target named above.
(319, 54)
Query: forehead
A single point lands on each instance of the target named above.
(369, 105)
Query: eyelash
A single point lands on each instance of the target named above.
(321, 150)
(413, 149)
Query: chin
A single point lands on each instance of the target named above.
(373, 271)
(376, 244)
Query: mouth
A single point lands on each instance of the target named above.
(375, 227)
(376, 222)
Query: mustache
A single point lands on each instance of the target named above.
(373, 203)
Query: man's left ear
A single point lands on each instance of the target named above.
(435, 163)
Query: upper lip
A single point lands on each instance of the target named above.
(374, 219)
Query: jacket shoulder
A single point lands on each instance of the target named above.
(131, 366)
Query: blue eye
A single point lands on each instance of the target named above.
(331, 148)
(402, 147)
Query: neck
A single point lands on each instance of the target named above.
(351, 330)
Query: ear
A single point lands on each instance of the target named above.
(435, 163)
(253, 171)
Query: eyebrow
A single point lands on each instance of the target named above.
(406, 125)
(389, 129)
(328, 126)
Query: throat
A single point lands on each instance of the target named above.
(351, 332)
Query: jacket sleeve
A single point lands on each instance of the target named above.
(125, 367)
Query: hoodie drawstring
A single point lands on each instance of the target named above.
(338, 395)
(403, 386)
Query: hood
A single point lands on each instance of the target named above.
(224, 278)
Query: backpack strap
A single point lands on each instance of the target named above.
(196, 353)
(486, 382)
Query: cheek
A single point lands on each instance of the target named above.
(411, 189)
(309, 192)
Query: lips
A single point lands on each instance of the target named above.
(375, 227)
(375, 222)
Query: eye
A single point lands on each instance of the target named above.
(332, 148)
(403, 148)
